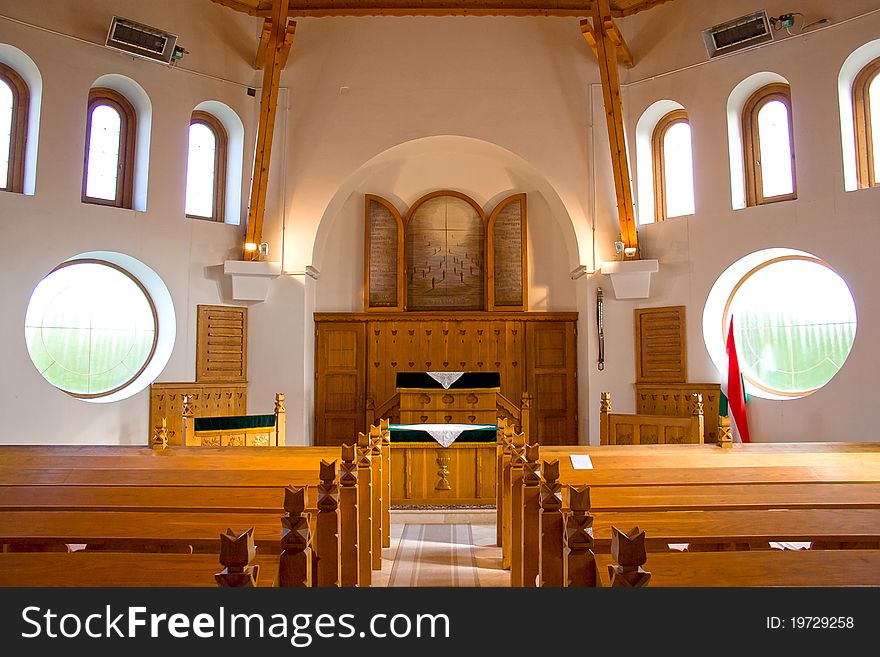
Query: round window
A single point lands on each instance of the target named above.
(794, 320)
(91, 328)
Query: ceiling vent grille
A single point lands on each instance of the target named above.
(737, 34)
(141, 40)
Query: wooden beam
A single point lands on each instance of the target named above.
(238, 5)
(280, 41)
(263, 46)
(608, 72)
(623, 51)
(316, 9)
(589, 35)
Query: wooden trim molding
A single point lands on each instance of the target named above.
(862, 123)
(490, 254)
(127, 136)
(401, 262)
(18, 129)
(220, 151)
(752, 143)
(658, 157)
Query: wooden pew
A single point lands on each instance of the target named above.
(81, 569)
(131, 477)
(238, 431)
(756, 568)
(630, 429)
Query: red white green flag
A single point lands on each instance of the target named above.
(735, 389)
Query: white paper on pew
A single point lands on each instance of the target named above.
(581, 461)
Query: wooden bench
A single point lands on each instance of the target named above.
(198, 484)
(641, 478)
(756, 568)
(80, 569)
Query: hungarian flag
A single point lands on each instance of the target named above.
(736, 395)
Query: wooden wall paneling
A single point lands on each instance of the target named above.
(340, 402)
(506, 256)
(206, 400)
(384, 275)
(221, 343)
(673, 399)
(552, 382)
(661, 345)
(401, 342)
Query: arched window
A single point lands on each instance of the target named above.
(108, 175)
(14, 98)
(866, 114)
(673, 166)
(768, 146)
(206, 167)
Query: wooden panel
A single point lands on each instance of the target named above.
(625, 429)
(221, 344)
(672, 399)
(461, 341)
(661, 353)
(339, 386)
(552, 381)
(506, 257)
(206, 400)
(468, 469)
(383, 255)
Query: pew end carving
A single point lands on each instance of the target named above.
(628, 550)
(295, 566)
(236, 553)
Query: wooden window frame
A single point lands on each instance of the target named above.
(658, 157)
(862, 124)
(752, 143)
(221, 144)
(127, 141)
(18, 135)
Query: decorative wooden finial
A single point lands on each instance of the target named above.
(605, 402)
(348, 469)
(328, 491)
(296, 539)
(580, 563)
(696, 404)
(628, 550)
(551, 489)
(517, 450)
(160, 435)
(187, 407)
(725, 437)
(279, 403)
(531, 466)
(236, 552)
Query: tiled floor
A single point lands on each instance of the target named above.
(464, 556)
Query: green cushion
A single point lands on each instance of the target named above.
(234, 422)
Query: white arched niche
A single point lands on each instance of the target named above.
(25, 67)
(141, 101)
(852, 65)
(735, 104)
(234, 155)
(482, 170)
(644, 157)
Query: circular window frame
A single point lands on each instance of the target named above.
(145, 364)
(725, 318)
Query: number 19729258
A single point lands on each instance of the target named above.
(810, 623)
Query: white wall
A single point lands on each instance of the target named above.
(42, 230)
(840, 227)
(404, 106)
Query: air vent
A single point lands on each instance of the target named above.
(737, 34)
(141, 40)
